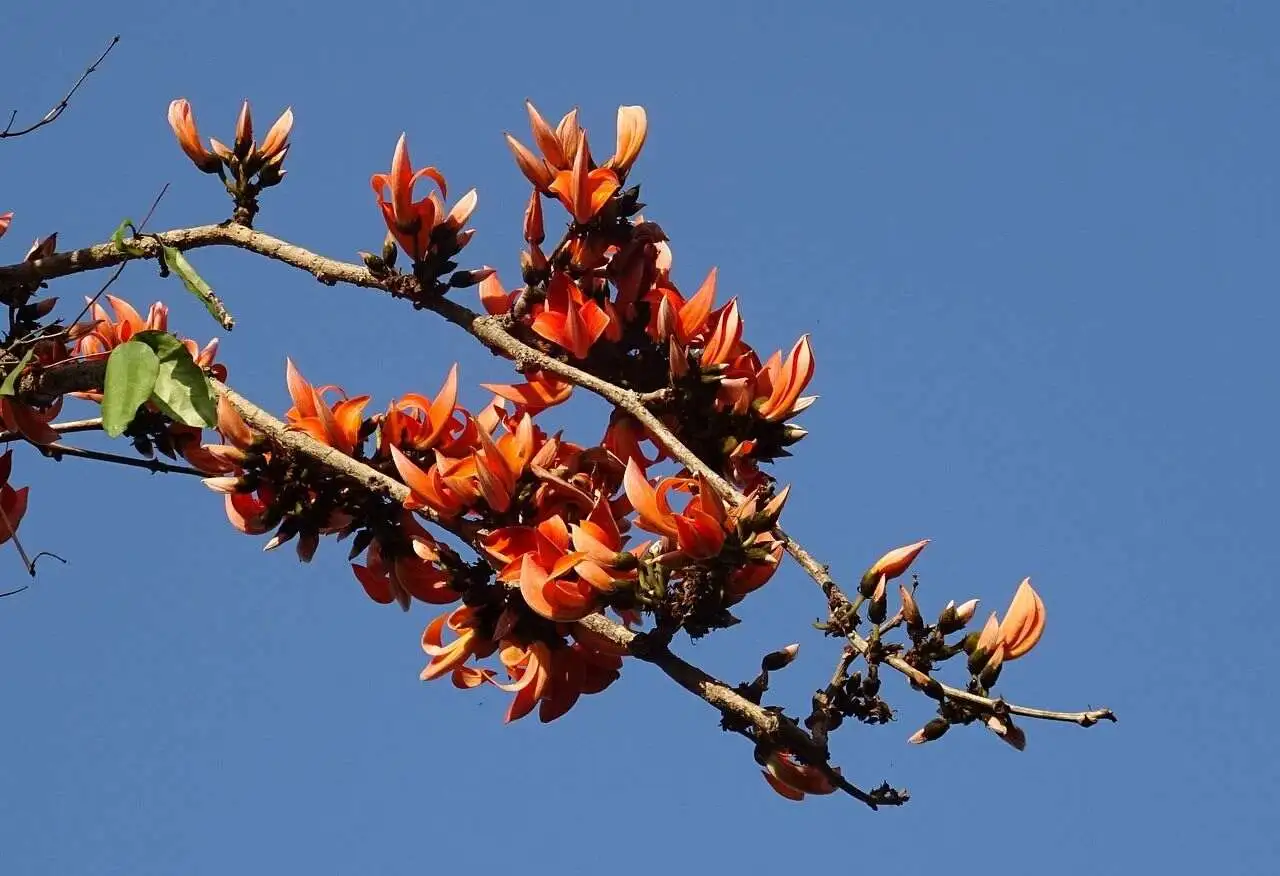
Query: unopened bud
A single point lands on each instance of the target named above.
(677, 357)
(991, 671)
(624, 561)
(244, 132)
(966, 610)
(666, 318)
(910, 611)
(465, 279)
(791, 434)
(389, 250)
(533, 230)
(229, 484)
(780, 659)
(890, 566)
(307, 544)
(42, 249)
(223, 152)
(931, 731)
(226, 453)
(41, 309)
(1008, 731)
(374, 263)
(878, 608)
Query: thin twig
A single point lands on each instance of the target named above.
(61, 107)
(64, 428)
(56, 451)
(88, 305)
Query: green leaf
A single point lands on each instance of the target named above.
(117, 238)
(131, 374)
(10, 385)
(181, 389)
(196, 285)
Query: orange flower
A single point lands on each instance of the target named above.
(183, 122)
(470, 643)
(339, 426)
(543, 390)
(419, 423)
(779, 383)
(559, 147)
(792, 779)
(13, 503)
(250, 513)
(698, 532)
(276, 143)
(5, 220)
(724, 343)
(111, 328)
(406, 577)
(890, 566)
(569, 318)
(530, 666)
(597, 538)
(685, 320)
(494, 298)
(414, 224)
(1023, 623)
(575, 670)
(429, 488)
(583, 191)
(633, 127)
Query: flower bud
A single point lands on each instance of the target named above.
(225, 485)
(534, 233)
(931, 731)
(1006, 730)
(890, 566)
(791, 434)
(244, 132)
(307, 544)
(879, 605)
(910, 611)
(389, 250)
(780, 659)
(466, 279)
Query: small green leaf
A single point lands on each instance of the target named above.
(196, 285)
(117, 238)
(181, 389)
(131, 374)
(10, 385)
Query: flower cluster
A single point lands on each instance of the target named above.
(552, 523)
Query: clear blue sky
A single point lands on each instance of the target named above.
(1036, 248)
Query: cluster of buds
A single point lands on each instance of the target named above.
(246, 167)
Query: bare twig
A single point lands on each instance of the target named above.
(88, 305)
(66, 427)
(58, 450)
(61, 106)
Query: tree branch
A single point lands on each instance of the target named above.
(57, 450)
(61, 106)
(493, 333)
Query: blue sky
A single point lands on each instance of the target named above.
(1036, 247)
